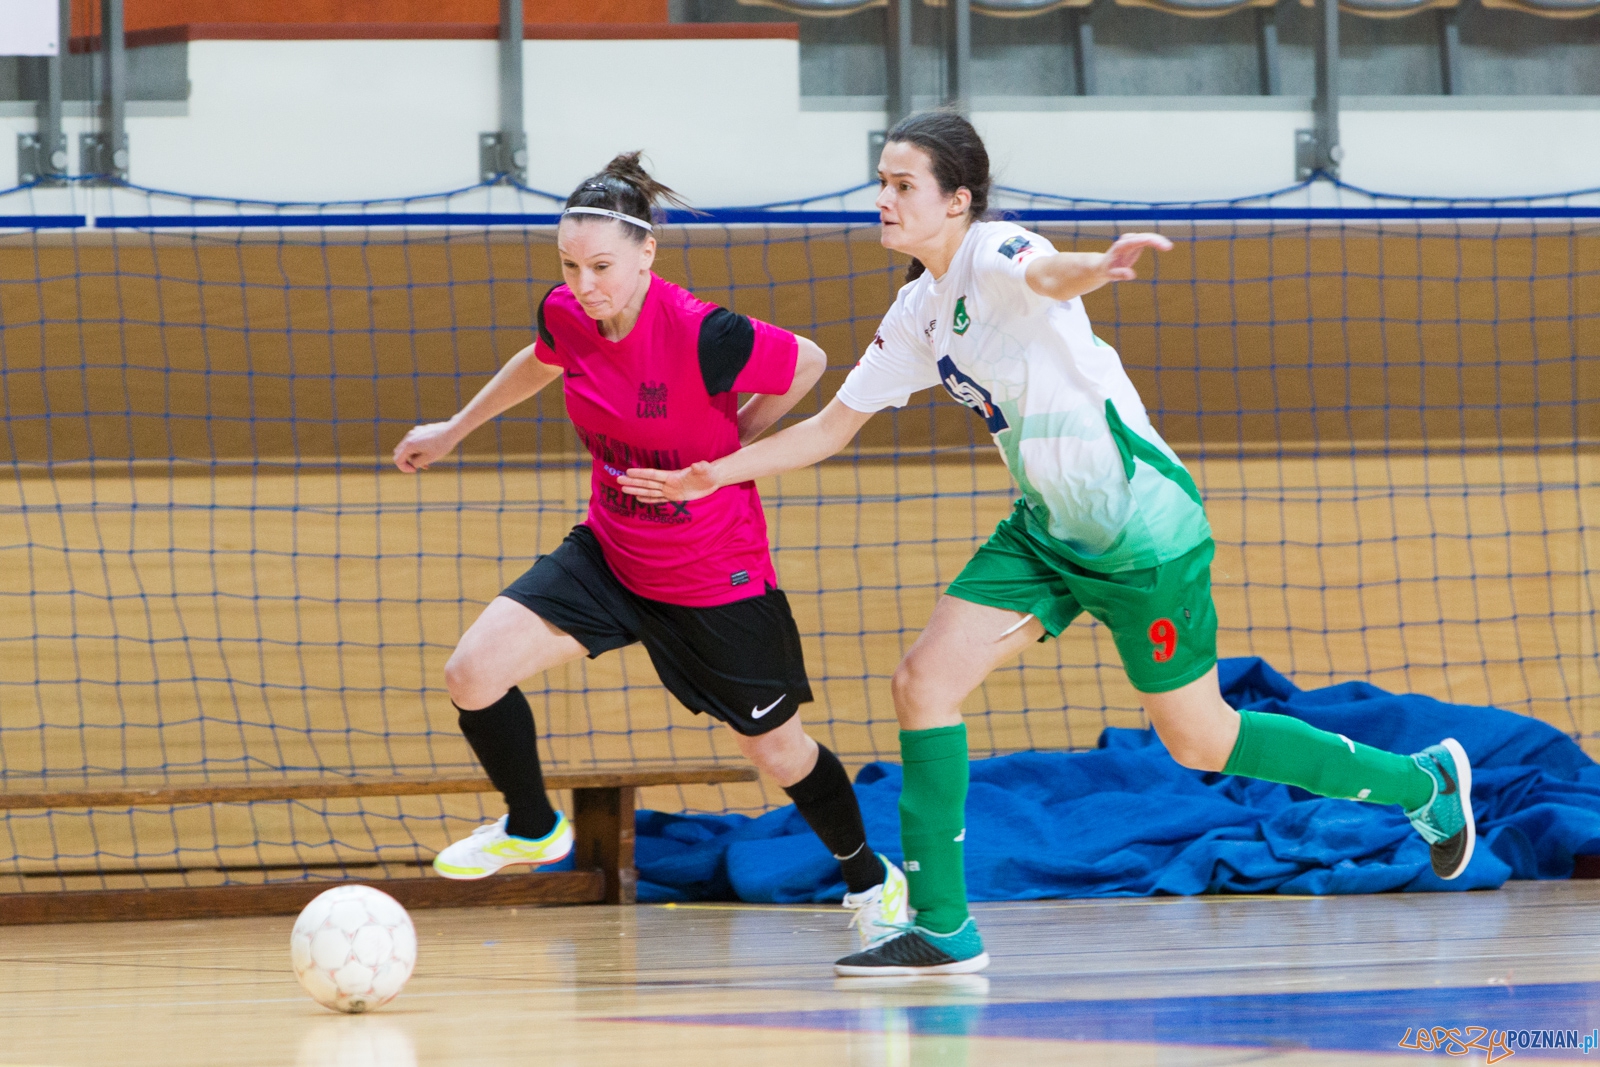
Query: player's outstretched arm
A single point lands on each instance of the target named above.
(1070, 274)
(800, 445)
(764, 409)
(521, 377)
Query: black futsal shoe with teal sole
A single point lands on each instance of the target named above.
(1445, 822)
(918, 951)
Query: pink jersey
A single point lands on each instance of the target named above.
(666, 396)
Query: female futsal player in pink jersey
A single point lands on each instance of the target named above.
(651, 377)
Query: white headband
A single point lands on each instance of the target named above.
(619, 216)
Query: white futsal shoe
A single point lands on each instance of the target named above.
(491, 848)
(881, 912)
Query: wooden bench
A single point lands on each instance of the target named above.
(603, 802)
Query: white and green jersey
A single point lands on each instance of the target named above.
(1102, 488)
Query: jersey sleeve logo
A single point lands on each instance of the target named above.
(968, 392)
(961, 320)
(1015, 246)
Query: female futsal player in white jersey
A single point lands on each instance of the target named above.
(1108, 522)
(649, 373)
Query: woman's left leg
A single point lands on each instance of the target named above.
(1165, 624)
(1201, 731)
(817, 782)
(1433, 787)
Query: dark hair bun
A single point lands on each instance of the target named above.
(624, 186)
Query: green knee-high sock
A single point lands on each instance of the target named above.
(933, 818)
(1281, 748)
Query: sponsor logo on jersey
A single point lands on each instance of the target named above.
(961, 320)
(620, 455)
(1016, 248)
(652, 400)
(739, 578)
(927, 331)
(973, 395)
(877, 339)
(614, 500)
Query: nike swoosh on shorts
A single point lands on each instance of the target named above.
(756, 713)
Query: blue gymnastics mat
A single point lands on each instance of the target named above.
(1125, 820)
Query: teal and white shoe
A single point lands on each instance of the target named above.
(491, 848)
(1445, 821)
(917, 951)
(883, 911)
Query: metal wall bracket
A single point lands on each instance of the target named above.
(97, 157)
(39, 164)
(1310, 157)
(503, 156)
(1305, 154)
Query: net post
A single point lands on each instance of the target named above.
(42, 156)
(1267, 51)
(1317, 150)
(958, 54)
(1449, 52)
(1083, 80)
(503, 154)
(897, 68)
(104, 154)
(897, 61)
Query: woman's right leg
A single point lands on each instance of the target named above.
(506, 644)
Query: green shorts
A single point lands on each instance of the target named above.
(1161, 618)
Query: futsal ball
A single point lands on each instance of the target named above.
(353, 948)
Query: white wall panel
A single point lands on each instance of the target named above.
(722, 121)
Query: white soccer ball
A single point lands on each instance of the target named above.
(353, 948)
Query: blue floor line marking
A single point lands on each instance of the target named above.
(1534, 1016)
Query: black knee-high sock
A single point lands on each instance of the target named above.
(506, 743)
(828, 804)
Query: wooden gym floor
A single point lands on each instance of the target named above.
(1185, 982)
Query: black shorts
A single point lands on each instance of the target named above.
(738, 662)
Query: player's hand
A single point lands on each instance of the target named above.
(1119, 259)
(422, 445)
(691, 483)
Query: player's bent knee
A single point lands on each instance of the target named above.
(911, 684)
(786, 754)
(1199, 750)
(1196, 757)
(468, 687)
